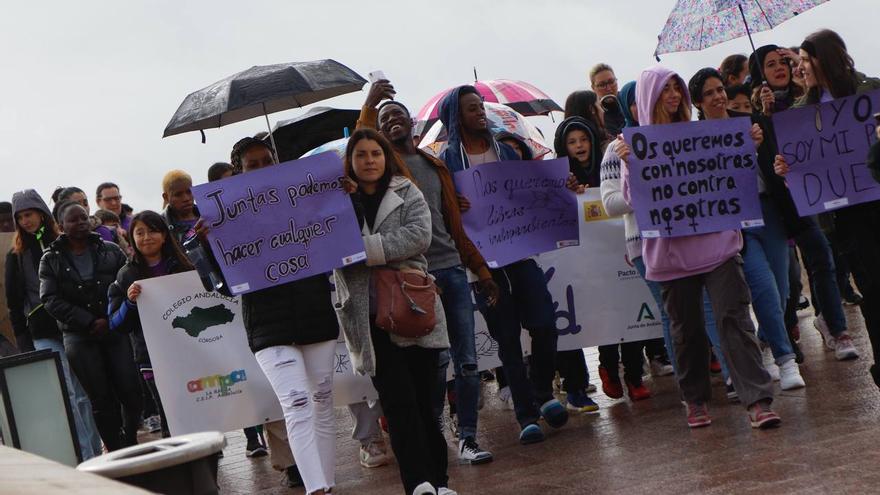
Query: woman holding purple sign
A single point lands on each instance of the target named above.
(829, 73)
(292, 331)
(765, 255)
(396, 225)
(684, 266)
(775, 90)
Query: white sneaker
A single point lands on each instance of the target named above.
(425, 489)
(504, 397)
(844, 348)
(770, 364)
(469, 452)
(661, 367)
(790, 376)
(824, 331)
(446, 491)
(374, 455)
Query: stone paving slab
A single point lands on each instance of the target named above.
(828, 443)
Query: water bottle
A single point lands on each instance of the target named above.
(200, 259)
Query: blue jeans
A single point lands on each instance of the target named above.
(526, 303)
(708, 317)
(86, 431)
(816, 253)
(458, 307)
(766, 270)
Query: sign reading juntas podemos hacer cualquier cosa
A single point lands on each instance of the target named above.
(825, 147)
(518, 209)
(693, 177)
(281, 223)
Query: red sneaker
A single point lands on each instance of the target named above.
(698, 415)
(714, 365)
(640, 392)
(761, 416)
(610, 385)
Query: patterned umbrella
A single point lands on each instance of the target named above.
(501, 118)
(518, 95)
(698, 24)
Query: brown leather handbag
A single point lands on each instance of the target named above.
(405, 302)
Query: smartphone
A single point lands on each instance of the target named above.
(377, 75)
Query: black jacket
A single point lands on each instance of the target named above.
(16, 300)
(298, 312)
(177, 229)
(777, 190)
(73, 302)
(874, 160)
(129, 320)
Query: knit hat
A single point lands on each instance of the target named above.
(29, 199)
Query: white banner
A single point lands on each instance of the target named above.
(598, 294)
(207, 377)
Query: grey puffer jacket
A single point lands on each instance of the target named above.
(401, 234)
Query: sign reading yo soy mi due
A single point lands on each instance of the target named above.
(693, 177)
(281, 223)
(826, 146)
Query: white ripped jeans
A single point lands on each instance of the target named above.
(302, 377)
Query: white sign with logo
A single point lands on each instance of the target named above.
(206, 375)
(599, 296)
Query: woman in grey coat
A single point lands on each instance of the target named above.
(396, 226)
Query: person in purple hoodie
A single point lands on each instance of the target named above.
(684, 266)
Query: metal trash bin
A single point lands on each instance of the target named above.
(185, 464)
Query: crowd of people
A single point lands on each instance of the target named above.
(72, 279)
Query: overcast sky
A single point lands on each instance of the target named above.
(87, 87)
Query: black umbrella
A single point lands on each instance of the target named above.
(261, 90)
(306, 132)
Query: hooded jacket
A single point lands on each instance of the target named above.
(672, 258)
(400, 234)
(590, 174)
(75, 302)
(454, 155)
(470, 255)
(627, 96)
(26, 313)
(526, 149)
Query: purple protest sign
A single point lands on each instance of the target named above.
(518, 209)
(281, 223)
(826, 145)
(693, 177)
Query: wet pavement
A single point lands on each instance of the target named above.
(829, 442)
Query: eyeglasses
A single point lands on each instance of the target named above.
(606, 83)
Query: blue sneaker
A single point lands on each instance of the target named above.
(531, 434)
(579, 402)
(554, 413)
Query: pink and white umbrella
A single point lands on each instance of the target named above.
(501, 118)
(518, 95)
